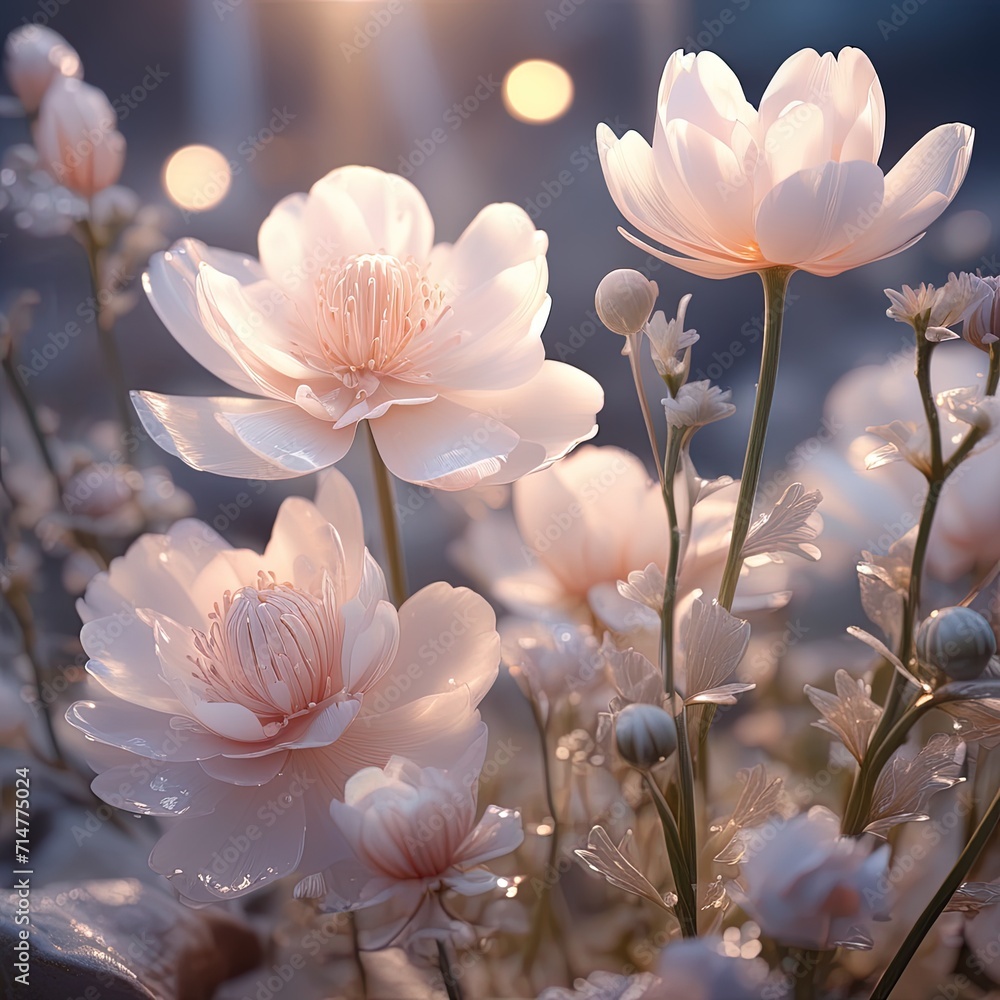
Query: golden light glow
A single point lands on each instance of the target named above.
(197, 178)
(537, 91)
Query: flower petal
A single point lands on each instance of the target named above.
(245, 770)
(442, 444)
(170, 282)
(232, 851)
(243, 438)
(394, 211)
(917, 190)
(551, 414)
(447, 638)
(143, 731)
(158, 789)
(815, 212)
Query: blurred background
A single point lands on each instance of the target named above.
(282, 91)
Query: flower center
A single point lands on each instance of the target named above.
(272, 649)
(373, 309)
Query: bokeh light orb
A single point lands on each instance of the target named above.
(196, 178)
(537, 91)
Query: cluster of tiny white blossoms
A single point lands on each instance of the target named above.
(303, 729)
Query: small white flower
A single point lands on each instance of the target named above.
(905, 441)
(982, 324)
(938, 308)
(668, 340)
(698, 404)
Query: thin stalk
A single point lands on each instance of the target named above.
(634, 342)
(675, 440)
(686, 804)
(21, 392)
(940, 900)
(106, 334)
(358, 961)
(899, 686)
(808, 963)
(450, 982)
(878, 754)
(21, 610)
(687, 912)
(775, 280)
(390, 525)
(543, 908)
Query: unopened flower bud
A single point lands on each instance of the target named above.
(624, 300)
(77, 139)
(957, 641)
(645, 735)
(33, 57)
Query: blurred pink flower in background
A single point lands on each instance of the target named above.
(585, 524)
(795, 183)
(811, 888)
(243, 690)
(353, 314)
(412, 831)
(34, 56)
(77, 138)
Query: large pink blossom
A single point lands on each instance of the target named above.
(352, 313)
(412, 834)
(242, 690)
(733, 188)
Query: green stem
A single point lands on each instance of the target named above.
(925, 348)
(635, 363)
(940, 900)
(358, 961)
(21, 392)
(450, 982)
(878, 754)
(21, 610)
(808, 963)
(543, 913)
(687, 912)
(775, 280)
(675, 441)
(390, 525)
(106, 333)
(686, 803)
(899, 686)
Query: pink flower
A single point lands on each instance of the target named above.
(353, 314)
(77, 138)
(243, 690)
(811, 888)
(33, 57)
(585, 524)
(736, 189)
(412, 832)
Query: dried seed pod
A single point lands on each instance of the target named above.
(957, 641)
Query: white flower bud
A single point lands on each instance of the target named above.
(33, 57)
(957, 641)
(77, 139)
(645, 735)
(624, 300)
